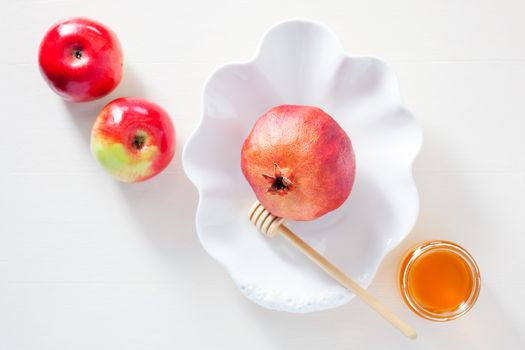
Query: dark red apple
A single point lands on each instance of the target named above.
(81, 59)
(299, 162)
(133, 139)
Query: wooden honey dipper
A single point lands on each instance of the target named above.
(271, 226)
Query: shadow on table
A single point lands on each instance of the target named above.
(355, 326)
(84, 114)
(158, 205)
(162, 203)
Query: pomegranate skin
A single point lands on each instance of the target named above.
(299, 162)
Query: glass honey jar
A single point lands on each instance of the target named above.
(439, 280)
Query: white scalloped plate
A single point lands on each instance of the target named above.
(302, 62)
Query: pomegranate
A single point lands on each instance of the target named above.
(299, 162)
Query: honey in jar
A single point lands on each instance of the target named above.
(439, 280)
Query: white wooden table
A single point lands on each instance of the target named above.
(89, 263)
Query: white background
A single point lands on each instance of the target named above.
(89, 263)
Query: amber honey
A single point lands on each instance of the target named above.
(439, 280)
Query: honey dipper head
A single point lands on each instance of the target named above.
(265, 221)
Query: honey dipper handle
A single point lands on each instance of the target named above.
(346, 281)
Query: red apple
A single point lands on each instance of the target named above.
(81, 59)
(299, 162)
(133, 139)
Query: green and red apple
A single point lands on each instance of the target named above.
(133, 139)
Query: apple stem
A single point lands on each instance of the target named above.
(138, 141)
(77, 53)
